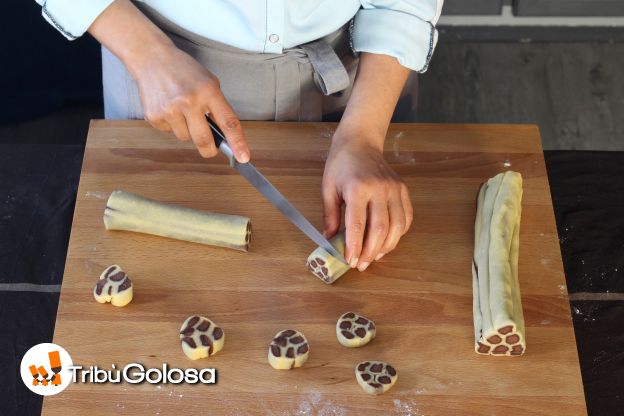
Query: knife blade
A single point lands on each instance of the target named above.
(270, 192)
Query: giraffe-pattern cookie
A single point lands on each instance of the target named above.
(289, 349)
(114, 286)
(200, 337)
(375, 377)
(353, 330)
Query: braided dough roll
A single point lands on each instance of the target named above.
(497, 306)
(130, 212)
(325, 266)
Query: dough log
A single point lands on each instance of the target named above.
(289, 349)
(130, 212)
(497, 306)
(200, 337)
(353, 330)
(325, 266)
(375, 377)
(114, 286)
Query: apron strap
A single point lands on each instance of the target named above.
(329, 73)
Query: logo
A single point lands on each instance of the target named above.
(46, 369)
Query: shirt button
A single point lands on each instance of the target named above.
(273, 38)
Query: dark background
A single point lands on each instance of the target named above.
(568, 81)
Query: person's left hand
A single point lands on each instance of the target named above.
(378, 209)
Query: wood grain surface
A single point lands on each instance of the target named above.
(420, 295)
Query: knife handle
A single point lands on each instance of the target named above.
(217, 134)
(221, 142)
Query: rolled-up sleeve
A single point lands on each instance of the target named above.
(404, 29)
(72, 17)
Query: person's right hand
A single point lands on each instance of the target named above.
(176, 94)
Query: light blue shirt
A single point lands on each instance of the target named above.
(404, 29)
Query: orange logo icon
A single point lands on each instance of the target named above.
(45, 369)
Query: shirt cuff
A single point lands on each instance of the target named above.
(406, 37)
(70, 17)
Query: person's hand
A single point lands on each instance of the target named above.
(176, 94)
(378, 209)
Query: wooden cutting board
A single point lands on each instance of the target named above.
(420, 295)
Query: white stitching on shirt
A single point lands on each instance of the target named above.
(430, 53)
(56, 24)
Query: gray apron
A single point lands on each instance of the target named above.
(301, 84)
(311, 82)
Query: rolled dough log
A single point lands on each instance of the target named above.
(200, 337)
(114, 286)
(353, 330)
(289, 349)
(497, 307)
(375, 377)
(325, 266)
(130, 212)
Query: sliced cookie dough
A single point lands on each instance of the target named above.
(353, 330)
(289, 349)
(130, 212)
(114, 286)
(200, 337)
(375, 377)
(325, 266)
(497, 306)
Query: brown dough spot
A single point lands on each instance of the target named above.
(203, 326)
(280, 341)
(303, 349)
(376, 368)
(349, 315)
(345, 325)
(362, 367)
(117, 277)
(125, 285)
(188, 331)
(275, 350)
(391, 370)
(494, 339)
(321, 262)
(371, 326)
(384, 380)
(290, 352)
(190, 341)
(375, 385)
(517, 350)
(366, 376)
(501, 349)
(99, 287)
(193, 321)
(313, 264)
(109, 271)
(505, 330)
(205, 340)
(288, 333)
(110, 290)
(360, 332)
(347, 334)
(217, 333)
(361, 321)
(312, 269)
(512, 339)
(483, 349)
(297, 340)
(325, 270)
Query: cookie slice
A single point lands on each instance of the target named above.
(375, 377)
(289, 349)
(200, 337)
(114, 286)
(353, 330)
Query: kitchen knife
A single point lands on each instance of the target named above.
(271, 193)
